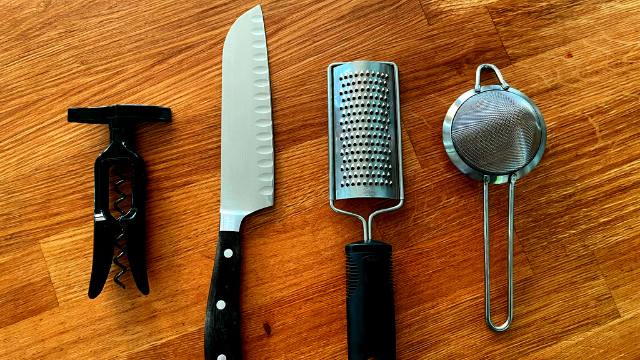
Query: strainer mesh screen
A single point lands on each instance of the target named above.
(496, 132)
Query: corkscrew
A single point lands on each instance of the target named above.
(116, 206)
(108, 231)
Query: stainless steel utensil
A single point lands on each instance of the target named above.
(495, 134)
(365, 161)
(246, 173)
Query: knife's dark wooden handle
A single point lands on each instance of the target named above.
(222, 323)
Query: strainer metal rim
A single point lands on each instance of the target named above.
(466, 168)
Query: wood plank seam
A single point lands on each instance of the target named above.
(607, 284)
(498, 32)
(424, 12)
(49, 273)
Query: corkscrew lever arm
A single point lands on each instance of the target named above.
(120, 152)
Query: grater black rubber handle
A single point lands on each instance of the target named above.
(371, 332)
(222, 322)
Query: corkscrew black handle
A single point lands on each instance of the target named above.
(371, 330)
(109, 232)
(111, 114)
(104, 233)
(136, 251)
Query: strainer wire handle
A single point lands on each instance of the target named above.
(503, 83)
(487, 277)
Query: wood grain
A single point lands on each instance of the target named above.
(441, 11)
(31, 292)
(577, 247)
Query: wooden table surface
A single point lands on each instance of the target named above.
(577, 262)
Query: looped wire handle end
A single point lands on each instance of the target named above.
(487, 262)
(503, 83)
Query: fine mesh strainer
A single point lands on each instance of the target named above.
(365, 161)
(495, 134)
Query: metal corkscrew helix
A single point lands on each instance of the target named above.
(109, 231)
(118, 243)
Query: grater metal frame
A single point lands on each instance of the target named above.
(367, 225)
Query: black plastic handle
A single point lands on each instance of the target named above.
(222, 323)
(136, 251)
(104, 233)
(130, 113)
(371, 331)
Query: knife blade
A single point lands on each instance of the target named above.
(246, 179)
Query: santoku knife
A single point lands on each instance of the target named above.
(246, 173)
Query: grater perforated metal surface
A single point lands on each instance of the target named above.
(365, 161)
(365, 134)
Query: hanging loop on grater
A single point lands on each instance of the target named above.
(365, 153)
(495, 134)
